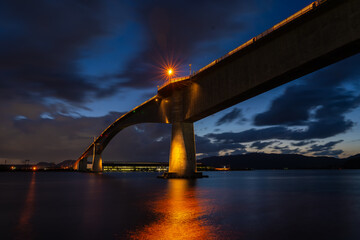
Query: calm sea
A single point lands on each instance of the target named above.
(321, 204)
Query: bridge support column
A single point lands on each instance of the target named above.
(182, 162)
(82, 166)
(97, 160)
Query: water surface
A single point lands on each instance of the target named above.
(311, 204)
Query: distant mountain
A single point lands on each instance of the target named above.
(273, 161)
(63, 164)
(353, 162)
(66, 163)
(261, 161)
(46, 165)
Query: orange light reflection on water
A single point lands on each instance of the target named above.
(181, 215)
(24, 227)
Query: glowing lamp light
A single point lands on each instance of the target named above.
(168, 70)
(34, 168)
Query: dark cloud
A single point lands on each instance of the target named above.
(320, 96)
(140, 143)
(287, 150)
(301, 143)
(65, 137)
(325, 149)
(238, 151)
(318, 130)
(229, 117)
(261, 145)
(334, 153)
(185, 30)
(206, 147)
(40, 44)
(299, 104)
(62, 137)
(313, 109)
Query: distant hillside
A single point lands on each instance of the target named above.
(261, 161)
(353, 162)
(66, 163)
(46, 165)
(274, 161)
(63, 164)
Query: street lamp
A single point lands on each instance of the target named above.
(170, 72)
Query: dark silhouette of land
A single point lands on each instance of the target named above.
(235, 162)
(281, 161)
(41, 166)
(353, 162)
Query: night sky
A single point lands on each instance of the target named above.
(68, 69)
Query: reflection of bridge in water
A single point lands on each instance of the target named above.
(322, 33)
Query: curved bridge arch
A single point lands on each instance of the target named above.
(151, 111)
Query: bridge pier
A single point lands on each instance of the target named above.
(97, 160)
(81, 165)
(182, 161)
(97, 163)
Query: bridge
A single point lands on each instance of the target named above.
(321, 34)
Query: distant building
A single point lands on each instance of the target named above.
(144, 167)
(135, 167)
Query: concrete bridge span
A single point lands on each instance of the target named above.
(323, 33)
(150, 111)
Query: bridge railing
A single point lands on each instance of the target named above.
(251, 41)
(172, 80)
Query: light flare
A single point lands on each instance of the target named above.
(168, 68)
(170, 72)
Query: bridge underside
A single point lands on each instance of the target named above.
(325, 34)
(157, 110)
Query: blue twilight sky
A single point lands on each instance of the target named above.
(70, 68)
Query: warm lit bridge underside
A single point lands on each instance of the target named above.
(324, 34)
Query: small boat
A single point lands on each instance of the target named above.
(224, 168)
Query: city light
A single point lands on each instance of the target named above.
(169, 67)
(170, 71)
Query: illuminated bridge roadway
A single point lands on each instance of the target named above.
(323, 33)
